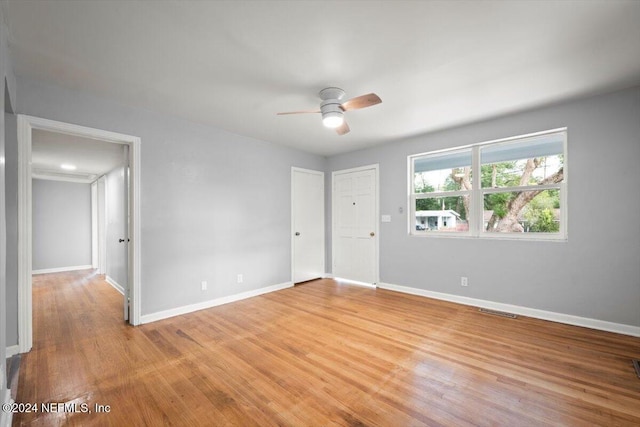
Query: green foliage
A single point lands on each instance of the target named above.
(498, 203)
(544, 222)
(456, 204)
(554, 195)
(539, 212)
(427, 205)
(424, 188)
(451, 185)
(506, 175)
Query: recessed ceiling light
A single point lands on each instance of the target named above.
(68, 167)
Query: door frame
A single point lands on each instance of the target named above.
(375, 167)
(102, 224)
(94, 225)
(295, 169)
(26, 124)
(98, 226)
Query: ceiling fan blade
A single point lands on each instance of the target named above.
(343, 128)
(362, 101)
(298, 112)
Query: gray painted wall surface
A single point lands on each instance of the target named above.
(116, 254)
(11, 203)
(3, 244)
(214, 204)
(61, 224)
(595, 274)
(6, 103)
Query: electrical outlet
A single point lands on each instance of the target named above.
(240, 278)
(464, 281)
(203, 284)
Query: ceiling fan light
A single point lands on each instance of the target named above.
(332, 119)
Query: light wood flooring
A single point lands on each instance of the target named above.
(318, 354)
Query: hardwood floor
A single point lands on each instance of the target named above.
(319, 354)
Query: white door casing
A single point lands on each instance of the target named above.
(25, 126)
(125, 237)
(94, 224)
(355, 226)
(102, 225)
(98, 226)
(307, 225)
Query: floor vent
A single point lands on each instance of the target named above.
(498, 313)
(636, 364)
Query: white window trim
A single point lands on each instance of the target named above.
(476, 208)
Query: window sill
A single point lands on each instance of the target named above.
(492, 236)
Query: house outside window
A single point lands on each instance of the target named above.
(510, 188)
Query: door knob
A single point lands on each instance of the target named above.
(297, 233)
(372, 234)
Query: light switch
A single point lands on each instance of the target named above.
(386, 218)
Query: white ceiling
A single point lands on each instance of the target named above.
(234, 64)
(92, 158)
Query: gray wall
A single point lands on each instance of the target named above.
(200, 190)
(61, 224)
(6, 101)
(3, 248)
(595, 274)
(116, 254)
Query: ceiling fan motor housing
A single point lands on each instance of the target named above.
(332, 114)
(334, 93)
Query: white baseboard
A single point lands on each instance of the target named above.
(523, 311)
(61, 269)
(6, 417)
(12, 350)
(115, 284)
(153, 317)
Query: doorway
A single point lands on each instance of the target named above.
(355, 225)
(307, 225)
(26, 126)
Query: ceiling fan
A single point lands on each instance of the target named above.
(332, 107)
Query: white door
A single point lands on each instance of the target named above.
(355, 226)
(307, 224)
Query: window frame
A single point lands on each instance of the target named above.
(475, 216)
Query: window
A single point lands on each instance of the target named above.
(442, 188)
(512, 188)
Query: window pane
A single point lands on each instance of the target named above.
(442, 172)
(442, 214)
(529, 161)
(522, 212)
